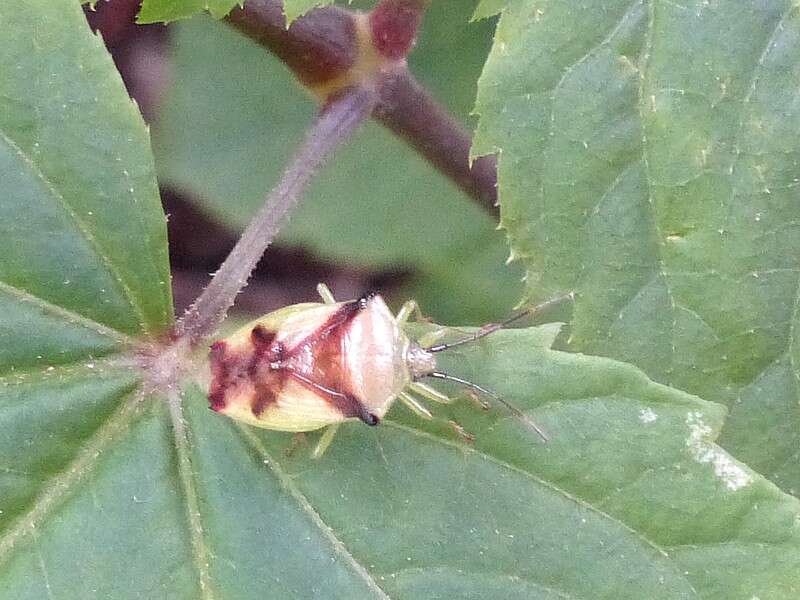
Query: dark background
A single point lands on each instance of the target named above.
(225, 117)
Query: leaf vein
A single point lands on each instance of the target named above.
(82, 229)
(514, 469)
(303, 502)
(65, 314)
(512, 577)
(648, 48)
(62, 484)
(519, 471)
(570, 69)
(751, 88)
(76, 369)
(186, 475)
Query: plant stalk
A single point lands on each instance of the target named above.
(336, 122)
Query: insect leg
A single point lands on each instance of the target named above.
(433, 336)
(429, 392)
(514, 410)
(325, 440)
(415, 406)
(463, 433)
(409, 307)
(298, 439)
(325, 293)
(476, 399)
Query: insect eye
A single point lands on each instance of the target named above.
(370, 419)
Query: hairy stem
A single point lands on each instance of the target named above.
(335, 123)
(323, 46)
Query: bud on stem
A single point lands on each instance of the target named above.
(394, 25)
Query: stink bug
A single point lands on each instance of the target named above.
(314, 365)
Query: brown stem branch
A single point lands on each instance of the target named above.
(322, 47)
(409, 111)
(317, 47)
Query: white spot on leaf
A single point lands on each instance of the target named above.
(733, 475)
(646, 415)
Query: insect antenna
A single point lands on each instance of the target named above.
(492, 327)
(513, 409)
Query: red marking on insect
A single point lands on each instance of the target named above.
(220, 376)
(269, 364)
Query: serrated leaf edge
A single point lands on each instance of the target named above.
(84, 231)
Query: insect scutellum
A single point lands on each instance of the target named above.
(312, 366)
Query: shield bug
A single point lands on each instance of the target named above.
(314, 365)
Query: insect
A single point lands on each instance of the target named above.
(314, 365)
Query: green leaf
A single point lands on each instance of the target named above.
(488, 8)
(629, 499)
(297, 8)
(649, 161)
(156, 11)
(104, 494)
(84, 266)
(74, 160)
(225, 136)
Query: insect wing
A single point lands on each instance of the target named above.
(294, 407)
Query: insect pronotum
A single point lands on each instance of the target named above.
(308, 366)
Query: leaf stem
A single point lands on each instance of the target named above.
(187, 479)
(336, 122)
